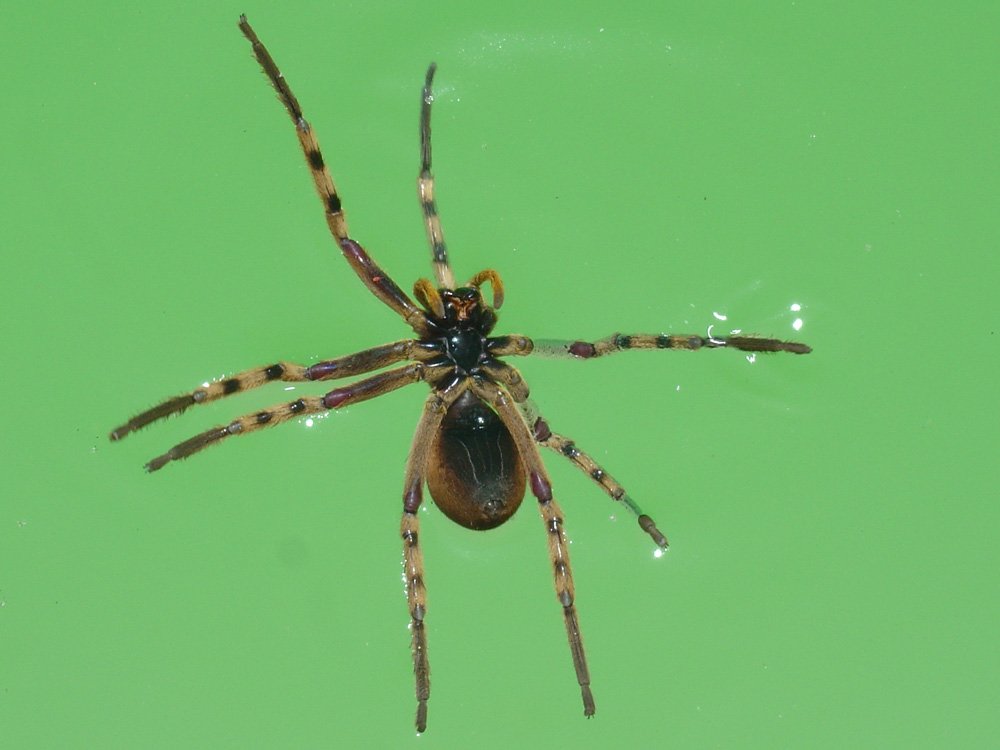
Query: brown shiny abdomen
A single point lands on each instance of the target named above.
(474, 472)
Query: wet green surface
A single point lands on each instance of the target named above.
(833, 517)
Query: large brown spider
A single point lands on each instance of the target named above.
(476, 444)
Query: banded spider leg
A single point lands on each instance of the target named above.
(618, 342)
(373, 277)
(360, 390)
(502, 402)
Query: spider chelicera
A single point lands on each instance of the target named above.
(476, 443)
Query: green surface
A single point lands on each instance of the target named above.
(833, 576)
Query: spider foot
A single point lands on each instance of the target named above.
(421, 716)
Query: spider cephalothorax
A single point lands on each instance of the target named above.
(459, 323)
(476, 444)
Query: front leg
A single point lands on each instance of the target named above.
(373, 277)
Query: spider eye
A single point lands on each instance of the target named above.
(467, 294)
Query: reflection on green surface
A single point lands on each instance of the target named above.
(831, 517)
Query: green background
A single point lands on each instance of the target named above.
(626, 167)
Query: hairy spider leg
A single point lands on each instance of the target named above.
(343, 367)
(566, 447)
(425, 190)
(541, 487)
(362, 390)
(619, 342)
(416, 598)
(435, 408)
(511, 379)
(510, 345)
(373, 277)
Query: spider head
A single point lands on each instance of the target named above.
(467, 303)
(463, 307)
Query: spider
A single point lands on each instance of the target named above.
(476, 442)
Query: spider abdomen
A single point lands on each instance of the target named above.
(474, 472)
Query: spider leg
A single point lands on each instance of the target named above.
(619, 342)
(416, 599)
(289, 372)
(523, 346)
(373, 277)
(566, 447)
(511, 345)
(507, 376)
(361, 390)
(435, 408)
(538, 479)
(511, 379)
(425, 189)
